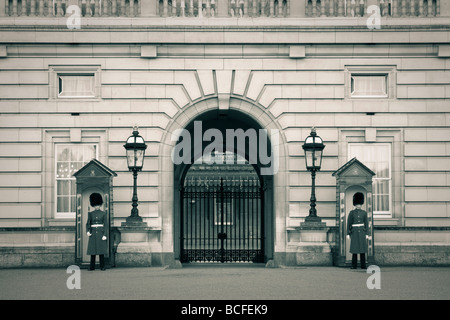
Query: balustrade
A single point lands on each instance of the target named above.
(88, 8)
(236, 8)
(358, 8)
(224, 8)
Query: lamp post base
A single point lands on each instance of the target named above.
(134, 221)
(313, 221)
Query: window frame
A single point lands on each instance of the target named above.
(383, 70)
(355, 75)
(76, 70)
(61, 85)
(66, 215)
(377, 214)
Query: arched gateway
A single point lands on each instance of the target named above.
(224, 166)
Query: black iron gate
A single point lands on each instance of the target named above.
(222, 221)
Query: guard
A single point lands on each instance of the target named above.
(96, 231)
(358, 231)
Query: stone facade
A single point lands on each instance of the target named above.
(287, 71)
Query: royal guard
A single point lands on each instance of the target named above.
(357, 227)
(96, 231)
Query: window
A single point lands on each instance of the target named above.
(74, 82)
(370, 82)
(76, 86)
(69, 159)
(369, 86)
(377, 157)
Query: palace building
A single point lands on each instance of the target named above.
(224, 93)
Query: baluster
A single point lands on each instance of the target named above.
(245, 11)
(331, 8)
(14, 8)
(182, 8)
(430, 8)
(403, 8)
(191, 8)
(41, 8)
(280, 8)
(213, 8)
(131, 13)
(113, 7)
(32, 7)
(208, 8)
(173, 12)
(97, 8)
(58, 9)
(271, 8)
(105, 4)
(313, 6)
(255, 9)
(322, 8)
(394, 8)
(340, 8)
(412, 8)
(165, 7)
(200, 8)
(438, 8)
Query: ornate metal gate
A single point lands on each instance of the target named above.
(222, 220)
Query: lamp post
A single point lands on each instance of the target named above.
(135, 147)
(313, 148)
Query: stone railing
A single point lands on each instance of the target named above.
(225, 8)
(233, 8)
(87, 8)
(359, 8)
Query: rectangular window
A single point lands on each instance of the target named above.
(76, 86)
(69, 159)
(377, 157)
(369, 86)
(75, 82)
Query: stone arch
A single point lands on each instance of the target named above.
(167, 204)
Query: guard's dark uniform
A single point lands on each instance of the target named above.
(358, 229)
(96, 225)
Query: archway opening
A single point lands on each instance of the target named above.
(223, 201)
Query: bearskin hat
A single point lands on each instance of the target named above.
(358, 198)
(95, 199)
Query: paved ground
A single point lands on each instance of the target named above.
(227, 282)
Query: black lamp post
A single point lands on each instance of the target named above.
(313, 148)
(135, 147)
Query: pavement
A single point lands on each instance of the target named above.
(227, 282)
